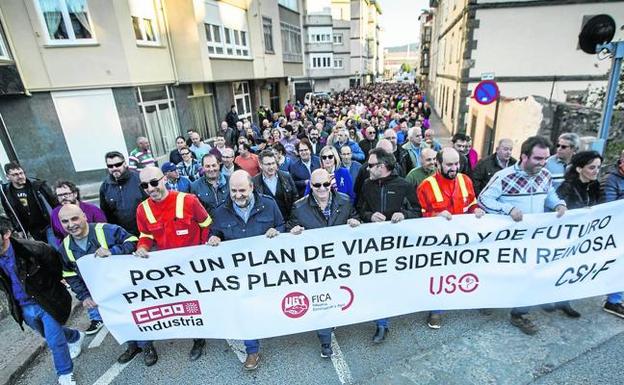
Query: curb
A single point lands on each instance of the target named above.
(18, 365)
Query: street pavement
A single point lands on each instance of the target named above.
(470, 348)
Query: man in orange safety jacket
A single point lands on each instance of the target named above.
(166, 220)
(446, 193)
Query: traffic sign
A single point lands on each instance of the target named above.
(486, 92)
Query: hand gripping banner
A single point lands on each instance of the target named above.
(259, 287)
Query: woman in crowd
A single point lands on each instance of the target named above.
(341, 180)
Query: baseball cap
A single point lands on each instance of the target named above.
(168, 166)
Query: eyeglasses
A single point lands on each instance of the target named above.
(62, 195)
(563, 146)
(153, 183)
(330, 156)
(184, 153)
(373, 165)
(117, 165)
(324, 184)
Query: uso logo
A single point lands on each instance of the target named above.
(295, 304)
(155, 313)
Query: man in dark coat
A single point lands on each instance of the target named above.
(275, 183)
(30, 277)
(487, 167)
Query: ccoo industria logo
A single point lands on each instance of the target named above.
(168, 315)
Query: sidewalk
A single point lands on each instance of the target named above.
(19, 348)
(442, 134)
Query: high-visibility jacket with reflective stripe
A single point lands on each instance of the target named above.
(437, 193)
(177, 221)
(105, 235)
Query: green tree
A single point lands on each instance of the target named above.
(405, 67)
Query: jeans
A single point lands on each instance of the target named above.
(94, 314)
(252, 346)
(56, 335)
(382, 323)
(520, 311)
(139, 344)
(324, 336)
(614, 298)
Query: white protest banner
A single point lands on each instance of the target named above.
(259, 287)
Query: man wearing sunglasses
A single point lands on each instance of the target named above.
(322, 208)
(167, 220)
(567, 145)
(120, 193)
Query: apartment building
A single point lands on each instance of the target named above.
(530, 47)
(426, 20)
(342, 45)
(79, 78)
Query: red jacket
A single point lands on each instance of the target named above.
(178, 221)
(437, 193)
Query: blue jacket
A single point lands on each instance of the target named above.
(118, 240)
(357, 152)
(209, 196)
(300, 174)
(183, 184)
(265, 214)
(614, 187)
(119, 200)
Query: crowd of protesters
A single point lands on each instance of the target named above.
(367, 154)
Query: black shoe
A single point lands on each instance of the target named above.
(524, 324)
(198, 349)
(129, 354)
(94, 327)
(616, 309)
(150, 357)
(326, 351)
(380, 335)
(567, 309)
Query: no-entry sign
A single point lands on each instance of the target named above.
(486, 92)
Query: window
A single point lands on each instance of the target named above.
(224, 41)
(4, 51)
(144, 21)
(338, 38)
(267, 27)
(66, 21)
(320, 38)
(242, 99)
(291, 43)
(160, 118)
(321, 61)
(338, 63)
(292, 4)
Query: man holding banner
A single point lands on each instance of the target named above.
(446, 193)
(246, 214)
(167, 220)
(322, 208)
(386, 196)
(523, 188)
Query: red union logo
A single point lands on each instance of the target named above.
(295, 304)
(154, 313)
(467, 283)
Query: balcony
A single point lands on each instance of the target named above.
(318, 20)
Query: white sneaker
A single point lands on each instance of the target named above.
(76, 347)
(67, 379)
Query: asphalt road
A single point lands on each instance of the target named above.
(470, 348)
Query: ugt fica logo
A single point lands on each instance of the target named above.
(295, 304)
(155, 313)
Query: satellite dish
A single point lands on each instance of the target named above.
(598, 30)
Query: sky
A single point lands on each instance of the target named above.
(399, 20)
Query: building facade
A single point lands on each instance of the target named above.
(342, 45)
(529, 47)
(83, 77)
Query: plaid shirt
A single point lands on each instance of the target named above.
(512, 188)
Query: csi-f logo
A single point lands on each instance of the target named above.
(467, 283)
(295, 304)
(155, 313)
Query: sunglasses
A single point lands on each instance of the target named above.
(563, 146)
(324, 184)
(153, 183)
(109, 165)
(331, 156)
(184, 153)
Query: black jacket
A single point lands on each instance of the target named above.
(37, 218)
(119, 200)
(388, 195)
(285, 193)
(307, 213)
(577, 194)
(484, 170)
(39, 269)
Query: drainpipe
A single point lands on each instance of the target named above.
(170, 44)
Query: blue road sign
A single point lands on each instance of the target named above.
(486, 92)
